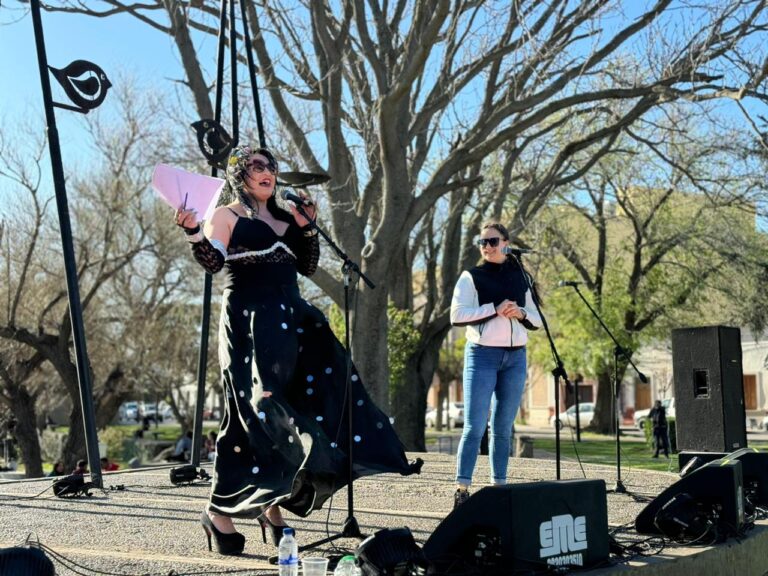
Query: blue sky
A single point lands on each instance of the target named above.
(119, 44)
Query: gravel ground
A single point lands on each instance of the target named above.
(152, 527)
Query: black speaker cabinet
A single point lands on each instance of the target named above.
(754, 469)
(532, 526)
(709, 389)
(718, 486)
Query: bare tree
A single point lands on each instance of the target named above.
(110, 232)
(659, 233)
(412, 97)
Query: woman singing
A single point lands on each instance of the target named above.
(283, 442)
(493, 301)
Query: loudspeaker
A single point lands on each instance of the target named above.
(709, 389)
(754, 469)
(390, 552)
(531, 526)
(717, 491)
(26, 561)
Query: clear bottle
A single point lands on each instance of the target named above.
(288, 554)
(347, 567)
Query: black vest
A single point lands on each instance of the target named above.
(498, 282)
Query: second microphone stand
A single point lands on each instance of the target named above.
(559, 371)
(618, 352)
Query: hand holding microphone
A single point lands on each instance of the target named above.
(303, 200)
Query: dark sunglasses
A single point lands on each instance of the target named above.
(492, 242)
(260, 166)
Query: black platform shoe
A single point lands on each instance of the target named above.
(228, 544)
(275, 531)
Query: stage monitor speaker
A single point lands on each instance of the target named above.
(709, 389)
(532, 526)
(717, 491)
(754, 469)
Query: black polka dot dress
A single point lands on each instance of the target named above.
(290, 448)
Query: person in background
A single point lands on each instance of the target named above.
(58, 469)
(209, 450)
(658, 416)
(81, 469)
(108, 466)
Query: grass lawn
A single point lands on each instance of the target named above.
(595, 449)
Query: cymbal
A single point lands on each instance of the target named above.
(301, 179)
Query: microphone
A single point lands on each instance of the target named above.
(516, 251)
(295, 198)
(572, 283)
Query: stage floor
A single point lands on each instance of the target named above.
(153, 527)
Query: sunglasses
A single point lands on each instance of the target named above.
(492, 242)
(259, 166)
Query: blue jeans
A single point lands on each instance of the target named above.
(493, 378)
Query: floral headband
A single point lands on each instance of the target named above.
(236, 166)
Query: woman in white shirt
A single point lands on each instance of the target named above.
(493, 301)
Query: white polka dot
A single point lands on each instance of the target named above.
(284, 326)
(248, 422)
(245, 312)
(379, 425)
(255, 469)
(237, 449)
(291, 309)
(300, 330)
(328, 370)
(318, 324)
(333, 444)
(357, 438)
(290, 421)
(242, 393)
(290, 439)
(282, 306)
(310, 378)
(359, 402)
(301, 348)
(391, 420)
(310, 391)
(355, 378)
(247, 359)
(319, 418)
(262, 416)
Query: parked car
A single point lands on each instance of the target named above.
(453, 415)
(159, 412)
(568, 418)
(642, 415)
(128, 412)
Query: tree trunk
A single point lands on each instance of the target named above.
(111, 395)
(369, 347)
(604, 420)
(410, 404)
(23, 408)
(74, 447)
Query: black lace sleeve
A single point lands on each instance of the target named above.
(206, 255)
(308, 252)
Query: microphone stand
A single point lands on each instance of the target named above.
(351, 527)
(559, 371)
(618, 351)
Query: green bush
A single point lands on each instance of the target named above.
(119, 443)
(672, 428)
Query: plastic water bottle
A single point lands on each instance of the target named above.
(288, 554)
(347, 567)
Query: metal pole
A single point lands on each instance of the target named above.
(205, 321)
(70, 267)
